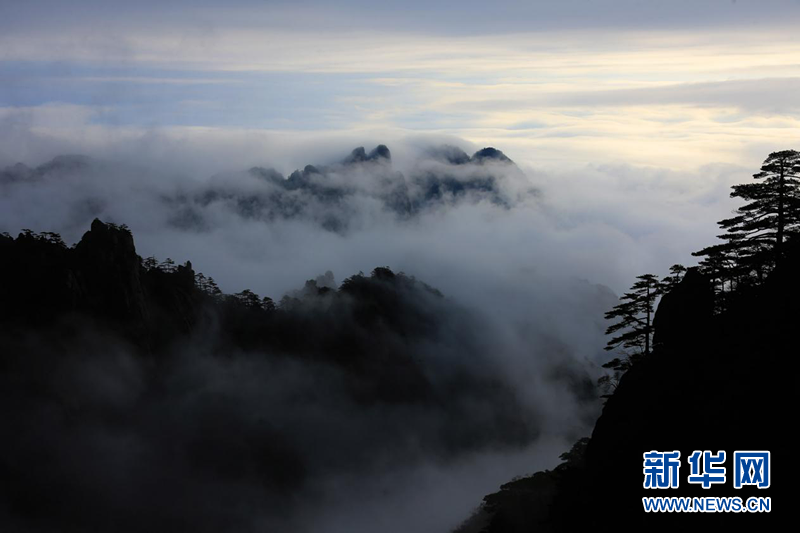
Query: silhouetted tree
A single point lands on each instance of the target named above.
(168, 265)
(676, 273)
(755, 237)
(267, 304)
(729, 267)
(248, 298)
(211, 287)
(634, 328)
(207, 285)
(575, 457)
(53, 238)
(608, 383)
(150, 263)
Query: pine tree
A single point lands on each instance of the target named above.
(248, 298)
(167, 265)
(676, 275)
(755, 237)
(150, 263)
(635, 314)
(634, 326)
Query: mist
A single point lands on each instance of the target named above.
(528, 260)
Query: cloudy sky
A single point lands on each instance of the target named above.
(670, 84)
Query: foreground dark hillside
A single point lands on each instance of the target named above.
(713, 382)
(135, 396)
(367, 326)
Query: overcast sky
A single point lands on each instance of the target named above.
(672, 84)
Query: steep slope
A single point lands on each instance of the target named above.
(714, 382)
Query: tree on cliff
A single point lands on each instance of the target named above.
(754, 239)
(676, 273)
(634, 327)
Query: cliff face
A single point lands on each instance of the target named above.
(105, 269)
(714, 382)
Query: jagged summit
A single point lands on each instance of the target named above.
(490, 154)
(454, 155)
(327, 195)
(360, 155)
(380, 151)
(356, 156)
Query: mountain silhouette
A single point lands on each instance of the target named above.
(137, 396)
(715, 381)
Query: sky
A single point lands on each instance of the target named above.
(671, 84)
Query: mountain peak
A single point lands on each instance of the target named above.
(359, 155)
(380, 152)
(490, 153)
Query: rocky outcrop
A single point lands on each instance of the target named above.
(101, 278)
(683, 311)
(105, 266)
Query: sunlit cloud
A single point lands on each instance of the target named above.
(669, 94)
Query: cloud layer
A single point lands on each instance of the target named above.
(528, 254)
(527, 338)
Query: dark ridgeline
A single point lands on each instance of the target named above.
(135, 396)
(710, 371)
(153, 305)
